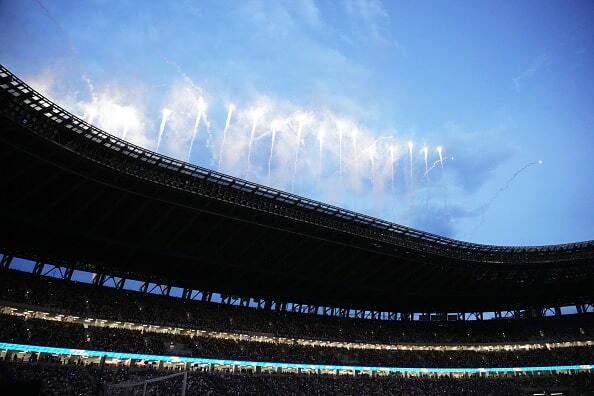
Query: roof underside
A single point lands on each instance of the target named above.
(74, 194)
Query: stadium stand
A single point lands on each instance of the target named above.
(314, 299)
(55, 294)
(51, 333)
(81, 380)
(42, 308)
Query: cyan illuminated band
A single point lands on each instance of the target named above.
(205, 361)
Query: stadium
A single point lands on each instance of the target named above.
(296, 197)
(198, 282)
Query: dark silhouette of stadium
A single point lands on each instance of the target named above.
(77, 198)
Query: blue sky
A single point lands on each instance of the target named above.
(498, 85)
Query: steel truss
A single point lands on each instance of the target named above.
(104, 279)
(45, 269)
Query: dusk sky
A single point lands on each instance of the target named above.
(329, 94)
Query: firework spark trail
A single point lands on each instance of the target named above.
(372, 146)
(91, 111)
(194, 133)
(125, 132)
(252, 133)
(263, 135)
(372, 151)
(376, 141)
(372, 163)
(439, 151)
(206, 123)
(49, 16)
(229, 114)
(410, 156)
(483, 209)
(425, 151)
(392, 160)
(91, 116)
(321, 133)
(340, 131)
(299, 131)
(509, 181)
(272, 138)
(165, 115)
(184, 75)
(436, 163)
(201, 116)
(91, 88)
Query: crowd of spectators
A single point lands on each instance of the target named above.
(84, 300)
(107, 303)
(17, 329)
(65, 379)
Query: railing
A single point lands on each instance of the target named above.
(53, 315)
(36, 113)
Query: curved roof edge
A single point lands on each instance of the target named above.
(381, 230)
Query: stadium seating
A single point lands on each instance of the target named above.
(51, 333)
(89, 301)
(66, 380)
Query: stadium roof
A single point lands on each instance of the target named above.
(76, 195)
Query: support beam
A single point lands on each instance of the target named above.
(206, 296)
(186, 293)
(67, 274)
(51, 268)
(38, 268)
(97, 279)
(102, 279)
(583, 308)
(244, 302)
(165, 289)
(190, 294)
(5, 261)
(143, 288)
(119, 284)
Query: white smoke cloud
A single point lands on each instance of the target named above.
(109, 110)
(317, 152)
(186, 102)
(110, 107)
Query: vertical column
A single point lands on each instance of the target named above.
(120, 282)
(186, 293)
(143, 287)
(38, 268)
(5, 261)
(68, 273)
